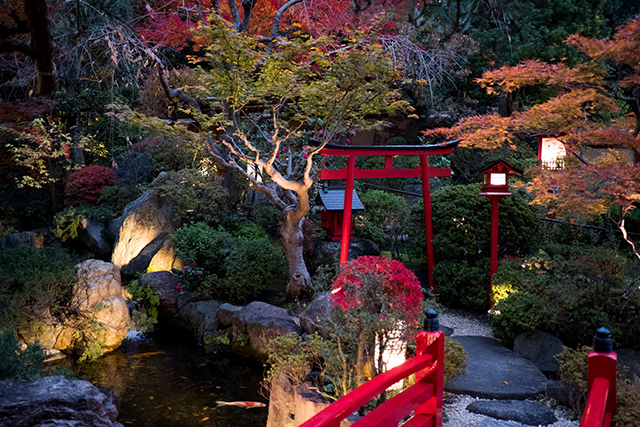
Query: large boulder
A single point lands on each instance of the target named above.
(312, 317)
(328, 253)
(200, 317)
(257, 323)
(99, 293)
(90, 234)
(165, 259)
(164, 283)
(226, 312)
(539, 347)
(55, 401)
(281, 403)
(141, 231)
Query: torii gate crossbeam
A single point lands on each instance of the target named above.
(351, 172)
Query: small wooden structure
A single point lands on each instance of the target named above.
(332, 199)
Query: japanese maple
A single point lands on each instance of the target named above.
(595, 104)
(367, 276)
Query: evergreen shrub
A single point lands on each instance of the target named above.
(198, 195)
(569, 292)
(205, 245)
(250, 266)
(462, 240)
(16, 363)
(33, 281)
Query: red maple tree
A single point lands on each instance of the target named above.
(596, 104)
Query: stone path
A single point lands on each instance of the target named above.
(494, 372)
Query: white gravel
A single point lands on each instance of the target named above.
(456, 415)
(464, 323)
(454, 408)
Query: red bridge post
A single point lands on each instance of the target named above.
(601, 382)
(430, 334)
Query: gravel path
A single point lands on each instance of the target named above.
(464, 323)
(455, 415)
(454, 408)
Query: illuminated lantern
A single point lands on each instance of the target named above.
(495, 186)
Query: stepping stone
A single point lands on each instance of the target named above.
(495, 372)
(494, 423)
(525, 412)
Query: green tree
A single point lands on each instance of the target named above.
(269, 115)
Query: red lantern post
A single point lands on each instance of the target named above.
(495, 186)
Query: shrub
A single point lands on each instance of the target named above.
(116, 198)
(455, 359)
(33, 281)
(250, 266)
(462, 238)
(462, 285)
(293, 357)
(377, 299)
(16, 363)
(628, 400)
(84, 186)
(569, 292)
(146, 316)
(246, 230)
(204, 245)
(198, 195)
(521, 312)
(268, 218)
(384, 213)
(68, 221)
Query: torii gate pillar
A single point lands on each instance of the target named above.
(423, 170)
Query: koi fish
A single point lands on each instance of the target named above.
(245, 405)
(153, 353)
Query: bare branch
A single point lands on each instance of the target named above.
(233, 9)
(176, 93)
(276, 22)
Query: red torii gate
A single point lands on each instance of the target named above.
(423, 170)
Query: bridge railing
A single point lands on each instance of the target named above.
(424, 397)
(601, 382)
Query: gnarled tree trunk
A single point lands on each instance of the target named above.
(291, 231)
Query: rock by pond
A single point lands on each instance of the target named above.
(55, 401)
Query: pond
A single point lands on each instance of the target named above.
(166, 380)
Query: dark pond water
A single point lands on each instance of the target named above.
(165, 380)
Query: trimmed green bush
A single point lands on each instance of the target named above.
(462, 240)
(205, 245)
(198, 196)
(32, 281)
(569, 292)
(16, 363)
(455, 359)
(250, 266)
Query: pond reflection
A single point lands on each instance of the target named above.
(166, 380)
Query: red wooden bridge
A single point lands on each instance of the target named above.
(424, 398)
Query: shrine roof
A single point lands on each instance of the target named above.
(333, 199)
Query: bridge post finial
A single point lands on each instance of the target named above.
(431, 322)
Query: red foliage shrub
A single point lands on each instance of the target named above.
(399, 286)
(84, 186)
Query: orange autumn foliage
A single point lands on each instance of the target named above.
(586, 112)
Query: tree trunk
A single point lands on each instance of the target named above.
(41, 50)
(291, 231)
